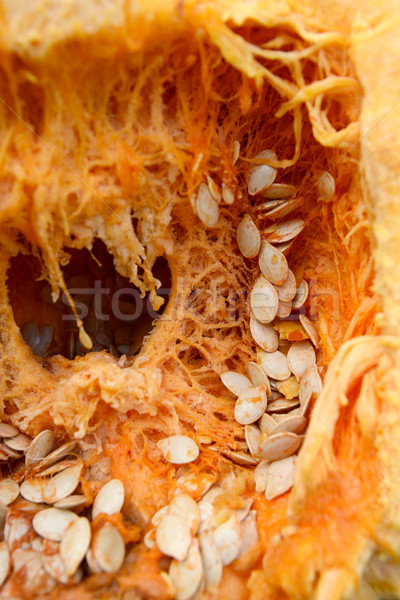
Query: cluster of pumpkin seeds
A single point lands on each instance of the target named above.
(40, 510)
(201, 538)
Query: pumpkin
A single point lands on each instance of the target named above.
(135, 139)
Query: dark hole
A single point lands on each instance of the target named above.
(114, 315)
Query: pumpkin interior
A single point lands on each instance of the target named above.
(102, 142)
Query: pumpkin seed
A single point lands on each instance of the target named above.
(73, 501)
(5, 562)
(212, 561)
(159, 515)
(260, 476)
(54, 456)
(277, 446)
(266, 423)
(85, 339)
(54, 566)
(252, 435)
(310, 384)
(274, 364)
(301, 295)
(248, 237)
(110, 498)
(32, 489)
(227, 194)
(108, 548)
(279, 233)
(264, 335)
(284, 309)
(283, 209)
(227, 538)
(179, 449)
(187, 575)
(267, 206)
(264, 300)
(52, 523)
(149, 539)
(9, 452)
(279, 190)
(43, 341)
(213, 189)
(273, 264)
(62, 485)
(326, 186)
(239, 458)
(300, 358)
(285, 247)
(206, 207)
(39, 447)
(29, 332)
(287, 291)
(236, 382)
(7, 431)
(18, 442)
(257, 376)
(261, 176)
(279, 477)
(236, 151)
(74, 544)
(173, 537)
(251, 405)
(186, 508)
(9, 491)
(292, 424)
(281, 405)
(310, 329)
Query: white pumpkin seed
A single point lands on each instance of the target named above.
(62, 485)
(248, 237)
(236, 151)
(284, 309)
(9, 491)
(266, 423)
(287, 291)
(252, 435)
(249, 533)
(39, 447)
(73, 501)
(265, 207)
(277, 446)
(278, 233)
(283, 209)
(326, 186)
(281, 405)
(310, 329)
(274, 364)
(149, 539)
(7, 431)
(110, 498)
(53, 469)
(273, 264)
(19, 442)
(239, 458)
(257, 376)
(293, 424)
(179, 449)
(236, 382)
(261, 175)
(206, 207)
(54, 456)
(251, 405)
(54, 566)
(279, 477)
(74, 544)
(227, 194)
(187, 575)
(279, 190)
(173, 537)
(187, 509)
(227, 538)
(300, 358)
(264, 300)
(32, 489)
(108, 548)
(310, 384)
(5, 562)
(52, 523)
(264, 335)
(159, 515)
(213, 189)
(212, 561)
(301, 295)
(285, 247)
(260, 476)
